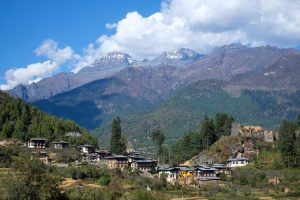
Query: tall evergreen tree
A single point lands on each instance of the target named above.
(287, 138)
(117, 142)
(223, 124)
(228, 126)
(207, 132)
(19, 130)
(158, 137)
(5, 131)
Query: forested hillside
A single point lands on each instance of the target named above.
(22, 121)
(185, 110)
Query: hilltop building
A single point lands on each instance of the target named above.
(37, 143)
(257, 132)
(237, 162)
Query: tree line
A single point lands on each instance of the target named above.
(19, 120)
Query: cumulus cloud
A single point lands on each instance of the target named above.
(50, 50)
(204, 24)
(37, 71)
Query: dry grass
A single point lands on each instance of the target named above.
(69, 182)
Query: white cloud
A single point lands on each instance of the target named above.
(204, 24)
(111, 26)
(50, 50)
(37, 71)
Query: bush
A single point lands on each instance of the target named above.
(105, 179)
(277, 163)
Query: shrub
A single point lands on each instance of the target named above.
(105, 179)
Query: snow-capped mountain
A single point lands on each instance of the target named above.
(177, 58)
(114, 60)
(182, 54)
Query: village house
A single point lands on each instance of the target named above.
(205, 173)
(60, 145)
(117, 162)
(144, 165)
(222, 168)
(103, 154)
(134, 157)
(183, 175)
(186, 175)
(186, 171)
(87, 149)
(37, 143)
(172, 174)
(237, 162)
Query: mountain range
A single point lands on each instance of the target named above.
(174, 90)
(103, 67)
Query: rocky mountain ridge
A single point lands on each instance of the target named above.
(104, 67)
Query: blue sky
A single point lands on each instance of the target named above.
(25, 24)
(40, 38)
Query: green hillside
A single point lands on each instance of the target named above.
(185, 110)
(22, 121)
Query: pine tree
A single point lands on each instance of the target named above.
(5, 131)
(207, 132)
(228, 126)
(287, 138)
(220, 119)
(158, 137)
(117, 142)
(223, 124)
(19, 130)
